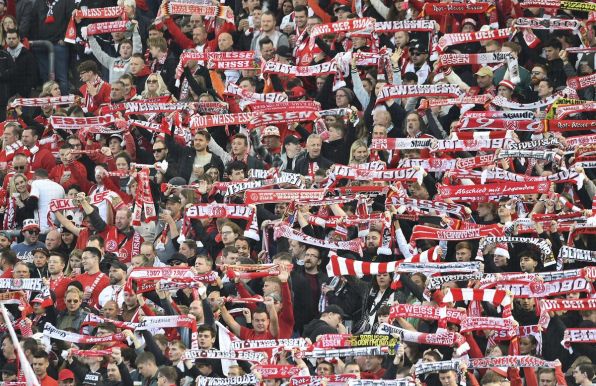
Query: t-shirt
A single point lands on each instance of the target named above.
(95, 283)
(45, 190)
(23, 250)
(48, 381)
(59, 286)
(249, 333)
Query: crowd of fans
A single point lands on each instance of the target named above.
(211, 193)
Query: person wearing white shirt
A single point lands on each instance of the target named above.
(45, 190)
(115, 291)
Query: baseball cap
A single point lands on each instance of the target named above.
(484, 71)
(65, 375)
(41, 250)
(335, 310)
(285, 52)
(177, 181)
(30, 224)
(416, 46)
(270, 130)
(174, 198)
(177, 257)
(296, 93)
(118, 264)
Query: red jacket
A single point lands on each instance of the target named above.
(78, 175)
(103, 96)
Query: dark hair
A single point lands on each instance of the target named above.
(94, 251)
(240, 135)
(145, 357)
(87, 66)
(9, 256)
(588, 369)
(264, 41)
(554, 43)
(204, 133)
(549, 83)
(97, 238)
(60, 255)
(227, 250)
(40, 354)
(207, 327)
(301, 8)
(237, 165)
(12, 31)
(41, 173)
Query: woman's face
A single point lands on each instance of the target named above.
(55, 90)
(8, 23)
(341, 99)
(75, 261)
(73, 302)
(287, 7)
(383, 280)
(72, 193)
(20, 184)
(121, 164)
(525, 346)
(67, 238)
(360, 154)
(136, 261)
(152, 84)
(214, 173)
(115, 145)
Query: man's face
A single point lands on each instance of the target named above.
(313, 146)
(537, 74)
(7, 348)
(551, 53)
(311, 259)
(31, 236)
(199, 36)
(243, 248)
(526, 304)
(9, 136)
(146, 370)
(324, 369)
(28, 138)
(500, 261)
(578, 376)
(300, 18)
(527, 264)
(86, 76)
(117, 92)
(448, 379)
(147, 251)
(39, 259)
(125, 51)
(544, 90)
(225, 42)
(113, 372)
(484, 81)
(110, 310)
(236, 175)
(267, 23)
(463, 254)
(196, 309)
(231, 258)
(267, 51)
(227, 235)
(372, 363)
(136, 65)
(418, 58)
(238, 147)
(20, 272)
(260, 322)
(379, 132)
(175, 352)
(122, 220)
(373, 240)
(206, 341)
(40, 366)
(160, 151)
(12, 40)
(4, 242)
(116, 275)
(201, 266)
(89, 261)
(200, 143)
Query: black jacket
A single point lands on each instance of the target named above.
(7, 67)
(24, 77)
(317, 327)
(302, 164)
(186, 156)
(305, 301)
(54, 32)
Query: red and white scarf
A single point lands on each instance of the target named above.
(578, 335)
(481, 193)
(91, 13)
(412, 91)
(448, 40)
(286, 231)
(180, 8)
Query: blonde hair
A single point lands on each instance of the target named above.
(162, 89)
(357, 143)
(11, 184)
(46, 89)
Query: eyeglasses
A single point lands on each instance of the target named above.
(159, 150)
(73, 301)
(151, 80)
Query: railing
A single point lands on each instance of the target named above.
(49, 47)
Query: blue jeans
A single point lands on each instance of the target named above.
(61, 60)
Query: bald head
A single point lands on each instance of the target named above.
(53, 240)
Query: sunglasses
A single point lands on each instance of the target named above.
(19, 167)
(72, 301)
(174, 263)
(151, 80)
(159, 150)
(33, 232)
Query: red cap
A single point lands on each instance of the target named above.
(65, 374)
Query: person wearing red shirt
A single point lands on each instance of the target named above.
(58, 282)
(261, 321)
(70, 171)
(94, 90)
(39, 157)
(40, 363)
(93, 280)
